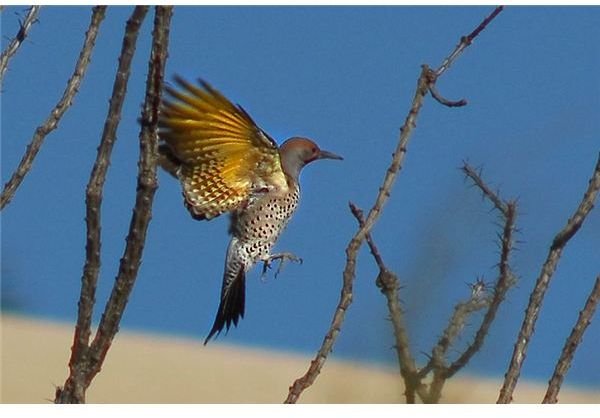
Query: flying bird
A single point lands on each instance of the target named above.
(226, 163)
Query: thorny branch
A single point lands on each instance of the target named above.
(573, 341)
(427, 79)
(79, 361)
(86, 360)
(475, 176)
(59, 110)
(505, 279)
(95, 186)
(437, 362)
(388, 283)
(18, 40)
(147, 184)
(357, 240)
(479, 299)
(537, 295)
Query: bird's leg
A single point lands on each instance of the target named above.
(281, 257)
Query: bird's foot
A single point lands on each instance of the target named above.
(282, 257)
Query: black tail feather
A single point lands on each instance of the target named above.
(231, 307)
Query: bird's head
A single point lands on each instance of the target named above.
(296, 152)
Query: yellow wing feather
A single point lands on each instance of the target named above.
(224, 156)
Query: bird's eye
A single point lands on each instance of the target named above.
(314, 150)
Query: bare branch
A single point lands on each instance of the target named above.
(465, 41)
(456, 324)
(573, 341)
(17, 41)
(388, 283)
(356, 242)
(442, 100)
(505, 277)
(78, 381)
(471, 173)
(147, 185)
(478, 300)
(424, 83)
(95, 185)
(359, 215)
(542, 283)
(59, 110)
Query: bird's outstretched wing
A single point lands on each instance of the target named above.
(223, 156)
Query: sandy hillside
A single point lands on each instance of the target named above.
(146, 368)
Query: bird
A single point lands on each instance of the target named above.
(227, 164)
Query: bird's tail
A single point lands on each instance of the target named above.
(233, 300)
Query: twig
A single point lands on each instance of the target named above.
(505, 277)
(573, 341)
(465, 41)
(59, 110)
(17, 41)
(537, 295)
(79, 364)
(442, 100)
(456, 324)
(471, 173)
(505, 281)
(388, 283)
(424, 83)
(476, 302)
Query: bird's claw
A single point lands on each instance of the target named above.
(281, 257)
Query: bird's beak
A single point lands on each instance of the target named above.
(328, 155)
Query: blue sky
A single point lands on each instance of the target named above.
(344, 77)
